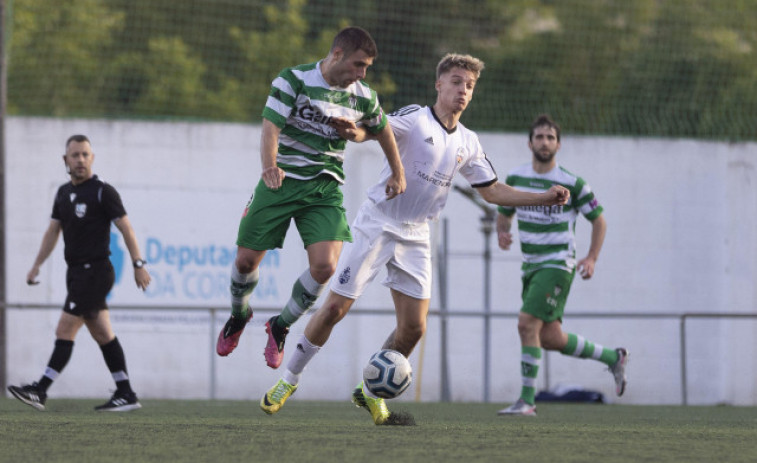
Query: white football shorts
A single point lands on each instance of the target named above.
(404, 248)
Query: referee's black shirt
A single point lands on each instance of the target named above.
(85, 212)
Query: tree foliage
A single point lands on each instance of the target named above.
(650, 68)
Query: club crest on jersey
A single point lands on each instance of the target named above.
(460, 154)
(80, 210)
(344, 277)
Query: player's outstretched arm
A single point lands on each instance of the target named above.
(49, 239)
(504, 237)
(350, 131)
(586, 265)
(397, 184)
(505, 195)
(141, 275)
(271, 174)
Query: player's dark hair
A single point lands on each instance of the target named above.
(352, 39)
(542, 120)
(78, 139)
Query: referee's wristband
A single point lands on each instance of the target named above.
(139, 263)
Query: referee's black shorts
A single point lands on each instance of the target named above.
(88, 285)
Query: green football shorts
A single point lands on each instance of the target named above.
(545, 292)
(315, 205)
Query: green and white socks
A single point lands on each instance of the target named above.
(530, 358)
(579, 347)
(242, 285)
(304, 294)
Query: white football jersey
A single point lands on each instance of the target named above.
(432, 156)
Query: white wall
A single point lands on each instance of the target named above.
(681, 219)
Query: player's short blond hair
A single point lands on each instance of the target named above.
(454, 60)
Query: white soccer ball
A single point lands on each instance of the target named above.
(387, 374)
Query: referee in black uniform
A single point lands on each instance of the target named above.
(83, 210)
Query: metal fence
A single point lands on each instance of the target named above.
(444, 315)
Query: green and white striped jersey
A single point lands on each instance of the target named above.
(547, 233)
(302, 103)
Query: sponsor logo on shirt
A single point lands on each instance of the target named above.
(432, 179)
(313, 114)
(311, 118)
(546, 210)
(437, 178)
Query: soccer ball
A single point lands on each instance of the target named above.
(387, 374)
